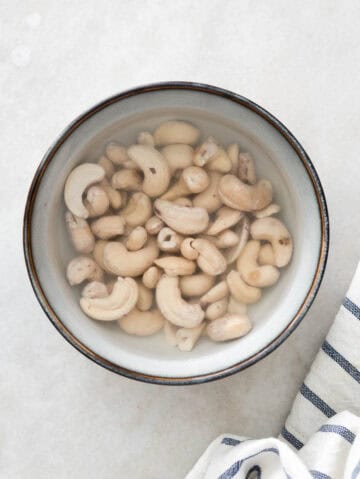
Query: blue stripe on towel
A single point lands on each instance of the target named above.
(356, 471)
(352, 307)
(229, 473)
(294, 441)
(317, 401)
(319, 475)
(229, 441)
(340, 430)
(341, 361)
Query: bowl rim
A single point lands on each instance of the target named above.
(211, 376)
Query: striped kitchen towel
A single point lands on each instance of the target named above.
(321, 437)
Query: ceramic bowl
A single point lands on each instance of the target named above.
(230, 118)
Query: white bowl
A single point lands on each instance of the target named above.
(231, 118)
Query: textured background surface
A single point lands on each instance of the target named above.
(60, 415)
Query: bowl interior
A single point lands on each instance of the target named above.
(230, 122)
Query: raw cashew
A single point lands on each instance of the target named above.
(107, 227)
(136, 239)
(187, 249)
(97, 201)
(98, 253)
(120, 301)
(168, 240)
(192, 180)
(80, 234)
(205, 152)
(241, 196)
(107, 165)
(182, 201)
(251, 272)
(274, 231)
(226, 239)
(151, 277)
(217, 292)
(115, 197)
(145, 297)
(241, 291)
(138, 210)
(209, 198)
(94, 289)
(233, 154)
(76, 183)
(247, 172)
(174, 307)
(178, 156)
(236, 307)
(268, 211)
(176, 132)
(142, 323)
(230, 326)
(128, 180)
(242, 232)
(266, 255)
(210, 260)
(182, 219)
(154, 225)
(121, 262)
(196, 284)
(219, 162)
(154, 167)
(186, 338)
(225, 218)
(170, 333)
(217, 309)
(116, 153)
(81, 268)
(176, 265)
(145, 138)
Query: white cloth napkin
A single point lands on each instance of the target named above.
(321, 437)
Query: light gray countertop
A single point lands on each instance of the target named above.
(62, 416)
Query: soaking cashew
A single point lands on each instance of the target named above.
(142, 323)
(182, 201)
(98, 253)
(266, 255)
(128, 180)
(186, 338)
(107, 165)
(182, 219)
(94, 289)
(168, 240)
(196, 284)
(268, 211)
(81, 268)
(97, 201)
(233, 154)
(241, 291)
(154, 167)
(217, 292)
(119, 302)
(76, 183)
(241, 196)
(174, 307)
(226, 239)
(219, 162)
(116, 153)
(151, 277)
(209, 198)
(145, 138)
(247, 172)
(115, 197)
(175, 265)
(170, 333)
(274, 231)
(80, 234)
(205, 152)
(107, 227)
(236, 307)
(154, 225)
(210, 260)
(251, 272)
(192, 180)
(145, 297)
(242, 232)
(136, 239)
(138, 210)
(178, 156)
(225, 218)
(217, 309)
(176, 132)
(187, 249)
(230, 326)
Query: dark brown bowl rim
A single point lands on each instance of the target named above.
(294, 322)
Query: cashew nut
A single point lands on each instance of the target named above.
(168, 240)
(210, 260)
(266, 255)
(76, 183)
(182, 201)
(242, 232)
(80, 234)
(205, 152)
(268, 211)
(154, 225)
(217, 292)
(138, 210)
(176, 265)
(174, 131)
(128, 180)
(98, 253)
(186, 338)
(151, 277)
(81, 268)
(251, 272)
(182, 219)
(192, 180)
(94, 289)
(174, 307)
(236, 307)
(145, 138)
(225, 218)
(209, 198)
(142, 323)
(136, 239)
(115, 197)
(219, 162)
(97, 201)
(107, 227)
(120, 301)
(116, 153)
(154, 167)
(274, 231)
(226, 239)
(230, 326)
(107, 165)
(170, 333)
(178, 156)
(233, 154)
(121, 262)
(247, 172)
(145, 297)
(196, 284)
(241, 196)
(217, 309)
(241, 291)
(187, 249)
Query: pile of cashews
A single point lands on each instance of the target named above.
(174, 234)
